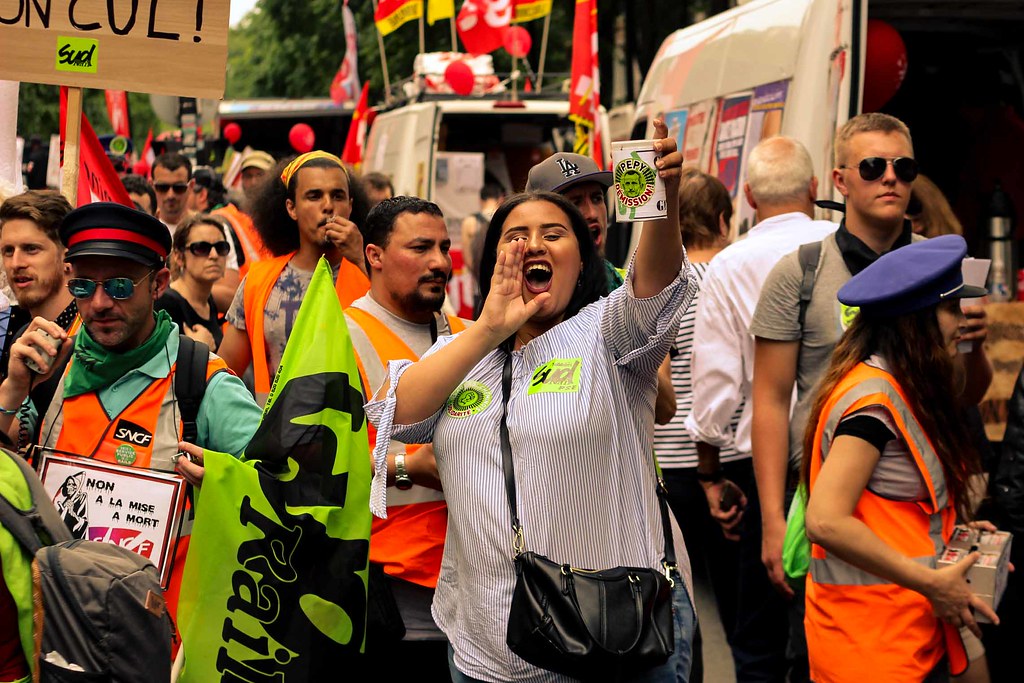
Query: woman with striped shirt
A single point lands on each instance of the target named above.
(580, 417)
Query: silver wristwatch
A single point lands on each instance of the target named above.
(402, 480)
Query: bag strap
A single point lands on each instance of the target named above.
(190, 384)
(39, 525)
(508, 466)
(809, 255)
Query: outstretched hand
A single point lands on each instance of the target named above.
(504, 310)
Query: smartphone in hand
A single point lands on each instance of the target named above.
(731, 497)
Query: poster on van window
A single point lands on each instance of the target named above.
(729, 140)
(675, 121)
(700, 124)
(765, 121)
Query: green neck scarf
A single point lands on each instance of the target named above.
(96, 367)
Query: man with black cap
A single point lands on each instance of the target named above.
(584, 184)
(116, 399)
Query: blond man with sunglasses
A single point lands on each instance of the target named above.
(793, 342)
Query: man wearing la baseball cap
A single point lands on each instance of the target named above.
(114, 399)
(584, 184)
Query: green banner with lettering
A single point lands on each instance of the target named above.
(274, 587)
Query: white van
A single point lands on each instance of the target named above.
(797, 67)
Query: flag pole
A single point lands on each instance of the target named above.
(423, 42)
(543, 51)
(72, 135)
(383, 58)
(455, 43)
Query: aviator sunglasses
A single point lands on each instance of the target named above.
(873, 168)
(162, 188)
(203, 248)
(118, 288)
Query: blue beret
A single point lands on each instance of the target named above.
(110, 229)
(910, 278)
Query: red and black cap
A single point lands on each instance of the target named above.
(109, 229)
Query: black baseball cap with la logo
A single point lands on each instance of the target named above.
(562, 170)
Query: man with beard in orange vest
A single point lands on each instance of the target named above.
(407, 256)
(119, 398)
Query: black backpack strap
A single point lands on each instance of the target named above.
(809, 255)
(190, 384)
(38, 526)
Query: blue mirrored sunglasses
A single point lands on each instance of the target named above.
(119, 288)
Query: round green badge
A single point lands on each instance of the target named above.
(125, 455)
(634, 182)
(471, 398)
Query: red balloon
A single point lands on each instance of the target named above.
(460, 77)
(518, 41)
(232, 132)
(302, 138)
(885, 64)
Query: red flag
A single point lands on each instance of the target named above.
(97, 179)
(346, 82)
(391, 14)
(585, 88)
(353, 153)
(117, 109)
(482, 24)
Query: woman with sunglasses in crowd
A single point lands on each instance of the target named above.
(198, 254)
(887, 462)
(580, 370)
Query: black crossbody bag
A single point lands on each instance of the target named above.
(579, 622)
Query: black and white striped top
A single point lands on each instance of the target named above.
(580, 418)
(673, 444)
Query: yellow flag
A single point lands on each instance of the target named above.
(440, 9)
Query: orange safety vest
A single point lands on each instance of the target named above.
(248, 237)
(259, 282)
(80, 425)
(410, 542)
(859, 625)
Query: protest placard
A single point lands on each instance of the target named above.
(134, 508)
(173, 47)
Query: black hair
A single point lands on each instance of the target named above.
(207, 178)
(172, 161)
(491, 191)
(379, 182)
(593, 283)
(136, 184)
(279, 231)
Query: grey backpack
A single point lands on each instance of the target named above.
(101, 608)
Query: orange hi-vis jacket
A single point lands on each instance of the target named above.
(410, 542)
(248, 237)
(352, 283)
(80, 425)
(859, 625)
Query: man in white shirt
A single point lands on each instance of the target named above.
(781, 188)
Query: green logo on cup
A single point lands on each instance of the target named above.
(471, 398)
(634, 182)
(125, 455)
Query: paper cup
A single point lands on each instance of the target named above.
(639, 191)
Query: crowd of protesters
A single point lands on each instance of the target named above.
(810, 366)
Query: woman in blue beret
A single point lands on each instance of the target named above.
(887, 464)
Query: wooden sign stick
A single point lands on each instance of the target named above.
(72, 134)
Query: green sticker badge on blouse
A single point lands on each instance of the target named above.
(471, 398)
(556, 376)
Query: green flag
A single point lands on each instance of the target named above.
(274, 587)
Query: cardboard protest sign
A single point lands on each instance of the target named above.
(275, 584)
(173, 47)
(134, 508)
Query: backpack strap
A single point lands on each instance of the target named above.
(190, 384)
(809, 256)
(38, 526)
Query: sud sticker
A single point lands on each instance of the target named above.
(471, 398)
